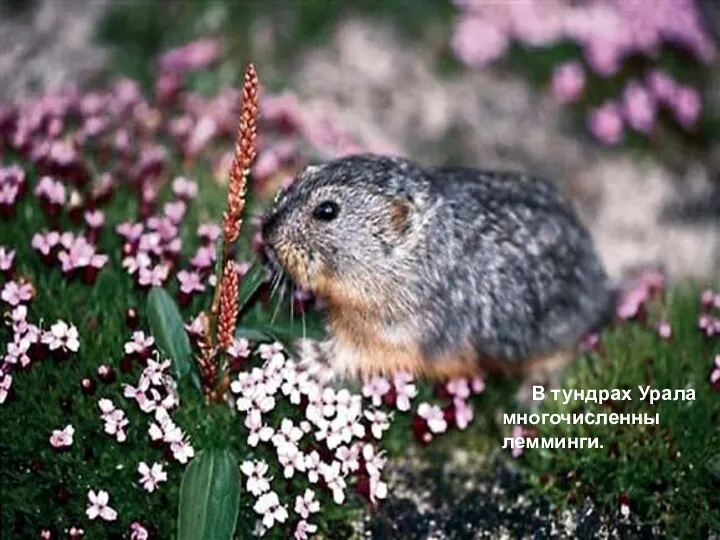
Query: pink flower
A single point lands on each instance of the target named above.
(568, 82)
(6, 258)
(458, 388)
(115, 420)
(99, 506)
(175, 211)
(138, 532)
(139, 343)
(51, 190)
(517, 432)
(194, 55)
(379, 422)
(62, 438)
(478, 385)
(463, 413)
(638, 107)
(150, 477)
(182, 451)
(664, 330)
(258, 430)
(190, 282)
(714, 374)
(434, 417)
(606, 123)
(303, 529)
(14, 293)
(661, 85)
(94, 219)
(375, 389)
(204, 258)
(686, 104)
(154, 276)
(130, 231)
(405, 390)
(603, 57)
(477, 42)
(208, 231)
(240, 348)
(62, 336)
(184, 188)
(203, 131)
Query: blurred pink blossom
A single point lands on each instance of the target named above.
(606, 123)
(568, 82)
(194, 55)
(686, 104)
(478, 42)
(638, 107)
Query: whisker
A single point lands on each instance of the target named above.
(292, 308)
(280, 300)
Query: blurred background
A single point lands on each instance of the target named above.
(616, 100)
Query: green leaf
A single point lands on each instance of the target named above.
(209, 497)
(167, 328)
(250, 283)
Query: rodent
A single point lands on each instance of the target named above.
(442, 272)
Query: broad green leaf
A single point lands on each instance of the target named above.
(209, 497)
(250, 283)
(168, 330)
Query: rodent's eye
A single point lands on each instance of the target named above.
(326, 211)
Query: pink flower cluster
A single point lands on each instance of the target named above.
(608, 32)
(77, 256)
(709, 321)
(329, 445)
(29, 342)
(152, 246)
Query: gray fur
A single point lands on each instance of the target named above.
(497, 260)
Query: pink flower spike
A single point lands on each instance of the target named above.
(150, 477)
(62, 438)
(99, 506)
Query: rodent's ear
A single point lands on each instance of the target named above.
(400, 213)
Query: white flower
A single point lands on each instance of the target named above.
(150, 477)
(306, 504)
(379, 422)
(349, 458)
(61, 335)
(313, 466)
(434, 417)
(99, 506)
(115, 420)
(182, 451)
(378, 489)
(334, 480)
(62, 438)
(267, 351)
(258, 430)
(269, 506)
(257, 483)
(374, 462)
(458, 388)
(139, 343)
